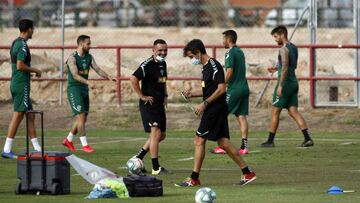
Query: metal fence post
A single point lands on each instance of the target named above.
(62, 52)
(118, 74)
(312, 23)
(356, 5)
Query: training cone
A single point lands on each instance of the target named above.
(334, 190)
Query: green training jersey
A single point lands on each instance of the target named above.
(19, 51)
(235, 59)
(293, 57)
(83, 64)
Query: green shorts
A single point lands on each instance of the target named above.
(21, 98)
(238, 102)
(289, 96)
(78, 100)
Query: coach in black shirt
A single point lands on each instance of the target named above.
(213, 111)
(153, 98)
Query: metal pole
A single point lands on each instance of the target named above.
(312, 23)
(62, 52)
(356, 5)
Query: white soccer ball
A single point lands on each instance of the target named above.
(135, 165)
(205, 195)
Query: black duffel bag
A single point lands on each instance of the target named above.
(143, 186)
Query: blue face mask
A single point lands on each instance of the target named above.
(195, 61)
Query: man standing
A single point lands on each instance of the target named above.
(213, 111)
(20, 87)
(79, 64)
(287, 87)
(153, 98)
(237, 96)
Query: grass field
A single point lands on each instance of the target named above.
(285, 173)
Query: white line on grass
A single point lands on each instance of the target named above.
(185, 159)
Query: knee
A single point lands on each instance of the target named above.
(223, 143)
(31, 117)
(198, 141)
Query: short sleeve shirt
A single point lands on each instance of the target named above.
(19, 51)
(153, 76)
(212, 76)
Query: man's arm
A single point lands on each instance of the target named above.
(100, 72)
(229, 73)
(220, 90)
(284, 53)
(21, 66)
(135, 84)
(74, 71)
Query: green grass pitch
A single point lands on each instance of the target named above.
(284, 173)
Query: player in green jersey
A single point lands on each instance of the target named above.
(20, 87)
(237, 96)
(287, 87)
(79, 64)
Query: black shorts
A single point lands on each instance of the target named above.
(153, 117)
(215, 127)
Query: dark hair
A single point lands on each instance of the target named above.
(280, 29)
(25, 25)
(159, 41)
(194, 46)
(82, 38)
(230, 34)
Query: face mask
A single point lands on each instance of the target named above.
(195, 61)
(160, 59)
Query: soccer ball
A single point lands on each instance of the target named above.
(205, 195)
(135, 165)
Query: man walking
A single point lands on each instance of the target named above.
(287, 87)
(20, 87)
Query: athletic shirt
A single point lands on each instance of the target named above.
(83, 64)
(293, 57)
(19, 51)
(235, 59)
(212, 75)
(153, 76)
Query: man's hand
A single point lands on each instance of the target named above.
(147, 99)
(91, 85)
(272, 69)
(279, 91)
(38, 73)
(111, 78)
(200, 108)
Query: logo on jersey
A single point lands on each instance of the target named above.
(84, 65)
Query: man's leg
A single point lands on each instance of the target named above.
(300, 121)
(244, 133)
(199, 155)
(155, 137)
(32, 132)
(248, 175)
(13, 126)
(81, 121)
(275, 115)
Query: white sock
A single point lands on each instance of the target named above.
(36, 145)
(83, 141)
(70, 137)
(8, 145)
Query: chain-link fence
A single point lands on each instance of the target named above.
(140, 22)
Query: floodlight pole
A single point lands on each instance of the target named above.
(62, 52)
(356, 5)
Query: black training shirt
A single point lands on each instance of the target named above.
(212, 75)
(153, 76)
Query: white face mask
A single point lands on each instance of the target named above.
(195, 61)
(160, 59)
